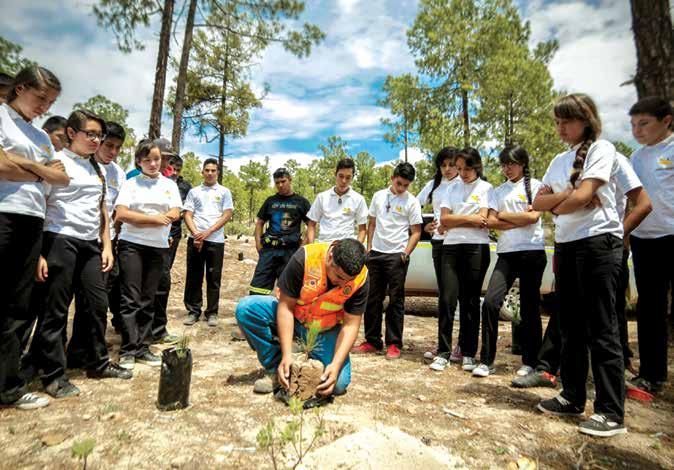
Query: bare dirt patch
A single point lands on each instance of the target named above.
(483, 422)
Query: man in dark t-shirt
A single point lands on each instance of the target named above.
(337, 306)
(283, 214)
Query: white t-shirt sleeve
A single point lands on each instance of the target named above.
(174, 198)
(189, 201)
(626, 177)
(316, 211)
(373, 205)
(486, 195)
(227, 201)
(599, 162)
(361, 212)
(493, 199)
(415, 217)
(124, 198)
(424, 193)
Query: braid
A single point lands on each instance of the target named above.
(437, 178)
(104, 185)
(581, 155)
(527, 183)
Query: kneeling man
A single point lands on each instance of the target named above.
(324, 282)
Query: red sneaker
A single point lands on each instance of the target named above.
(392, 352)
(364, 348)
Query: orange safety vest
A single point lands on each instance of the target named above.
(316, 302)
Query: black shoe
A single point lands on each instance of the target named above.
(647, 385)
(535, 379)
(149, 358)
(111, 371)
(559, 406)
(601, 426)
(314, 402)
(62, 388)
(74, 362)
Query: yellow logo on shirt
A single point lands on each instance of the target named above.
(346, 210)
(167, 193)
(218, 199)
(46, 150)
(113, 183)
(523, 198)
(475, 198)
(665, 162)
(399, 209)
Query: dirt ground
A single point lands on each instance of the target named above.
(394, 412)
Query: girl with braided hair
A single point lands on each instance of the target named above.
(588, 251)
(446, 176)
(521, 254)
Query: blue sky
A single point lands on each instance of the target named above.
(335, 90)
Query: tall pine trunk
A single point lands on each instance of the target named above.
(182, 78)
(652, 26)
(160, 73)
(466, 118)
(223, 106)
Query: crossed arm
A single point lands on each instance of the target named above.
(16, 168)
(569, 200)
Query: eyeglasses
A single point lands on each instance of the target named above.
(93, 136)
(508, 164)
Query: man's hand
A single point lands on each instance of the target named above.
(201, 236)
(42, 271)
(258, 246)
(328, 380)
(544, 190)
(56, 165)
(431, 226)
(198, 244)
(163, 219)
(107, 260)
(283, 371)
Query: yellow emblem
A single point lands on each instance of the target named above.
(475, 198)
(523, 198)
(218, 199)
(665, 162)
(399, 209)
(346, 210)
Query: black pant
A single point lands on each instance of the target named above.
(387, 273)
(210, 256)
(463, 269)
(141, 268)
(587, 281)
(445, 315)
(114, 292)
(20, 242)
(653, 261)
(160, 318)
(620, 304)
(270, 265)
(528, 266)
(74, 266)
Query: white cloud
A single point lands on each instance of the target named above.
(414, 155)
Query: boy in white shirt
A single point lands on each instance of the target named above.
(338, 209)
(207, 209)
(393, 213)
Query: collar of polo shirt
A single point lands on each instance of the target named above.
(334, 192)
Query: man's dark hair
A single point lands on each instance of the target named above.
(405, 170)
(115, 131)
(349, 254)
(54, 123)
(282, 173)
(345, 164)
(653, 105)
(5, 79)
(210, 161)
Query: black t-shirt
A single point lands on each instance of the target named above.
(285, 215)
(292, 278)
(184, 188)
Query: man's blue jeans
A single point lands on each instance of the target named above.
(256, 315)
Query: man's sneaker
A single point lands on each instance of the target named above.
(484, 370)
(524, 371)
(30, 402)
(439, 364)
(535, 379)
(266, 384)
(149, 358)
(392, 352)
(111, 371)
(429, 356)
(469, 364)
(191, 319)
(456, 357)
(364, 348)
(212, 320)
(647, 385)
(127, 362)
(559, 406)
(601, 426)
(62, 388)
(168, 340)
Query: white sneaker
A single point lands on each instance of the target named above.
(469, 364)
(30, 401)
(127, 362)
(439, 364)
(524, 371)
(483, 370)
(429, 356)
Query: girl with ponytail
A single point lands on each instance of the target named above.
(588, 249)
(521, 254)
(445, 177)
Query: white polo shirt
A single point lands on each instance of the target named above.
(22, 138)
(395, 213)
(655, 167)
(467, 199)
(338, 215)
(75, 210)
(625, 180)
(512, 197)
(114, 177)
(149, 196)
(438, 196)
(601, 164)
(207, 204)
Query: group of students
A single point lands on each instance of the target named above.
(74, 225)
(601, 204)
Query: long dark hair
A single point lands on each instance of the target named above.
(33, 77)
(580, 106)
(519, 156)
(447, 153)
(473, 160)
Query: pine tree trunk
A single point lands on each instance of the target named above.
(223, 104)
(182, 78)
(466, 118)
(160, 73)
(405, 137)
(652, 26)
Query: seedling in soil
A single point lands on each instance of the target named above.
(182, 346)
(305, 373)
(82, 449)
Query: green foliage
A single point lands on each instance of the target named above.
(255, 177)
(309, 342)
(123, 17)
(182, 346)
(82, 449)
(404, 97)
(623, 148)
(11, 61)
(191, 171)
(113, 112)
